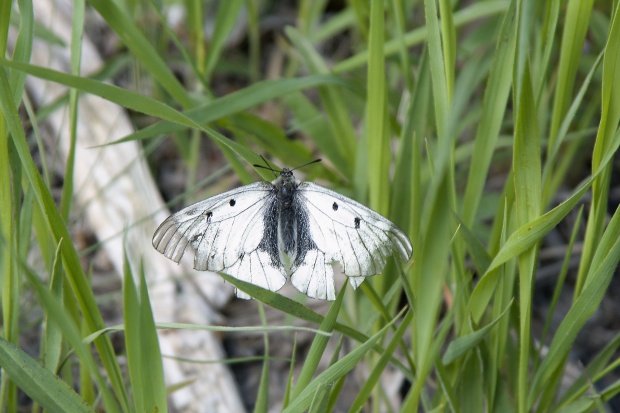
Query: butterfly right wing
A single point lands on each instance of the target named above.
(233, 232)
(341, 229)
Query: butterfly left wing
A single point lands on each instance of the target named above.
(232, 232)
(341, 229)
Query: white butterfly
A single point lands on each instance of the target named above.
(264, 232)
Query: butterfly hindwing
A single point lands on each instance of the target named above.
(231, 232)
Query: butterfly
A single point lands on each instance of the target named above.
(266, 232)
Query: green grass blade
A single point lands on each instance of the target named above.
(610, 116)
(532, 232)
(493, 109)
(142, 49)
(602, 270)
(528, 198)
(78, 281)
(310, 120)
(52, 338)
(262, 398)
(332, 99)
(59, 315)
(77, 30)
(477, 11)
(225, 19)
(377, 139)
(142, 345)
(300, 311)
(38, 382)
(463, 344)
(448, 37)
(372, 380)
(575, 29)
(441, 98)
(318, 346)
(336, 371)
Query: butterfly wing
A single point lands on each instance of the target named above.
(341, 229)
(234, 232)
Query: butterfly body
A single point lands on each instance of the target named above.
(267, 232)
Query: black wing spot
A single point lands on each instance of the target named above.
(357, 222)
(209, 215)
(232, 202)
(241, 255)
(195, 238)
(335, 207)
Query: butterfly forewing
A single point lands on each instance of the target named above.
(345, 231)
(226, 232)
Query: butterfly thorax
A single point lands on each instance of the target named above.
(285, 186)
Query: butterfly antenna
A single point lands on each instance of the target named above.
(266, 167)
(306, 164)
